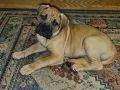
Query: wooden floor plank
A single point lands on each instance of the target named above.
(64, 4)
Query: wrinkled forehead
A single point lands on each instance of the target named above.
(52, 10)
(51, 13)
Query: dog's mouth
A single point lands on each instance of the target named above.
(44, 30)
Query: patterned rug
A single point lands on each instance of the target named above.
(17, 33)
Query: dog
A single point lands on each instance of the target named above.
(83, 45)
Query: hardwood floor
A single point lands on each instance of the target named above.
(64, 4)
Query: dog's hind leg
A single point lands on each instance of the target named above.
(37, 47)
(97, 48)
(82, 64)
(94, 47)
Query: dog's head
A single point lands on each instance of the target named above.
(50, 21)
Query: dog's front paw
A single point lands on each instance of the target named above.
(75, 67)
(26, 70)
(18, 55)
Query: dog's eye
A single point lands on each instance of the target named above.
(54, 22)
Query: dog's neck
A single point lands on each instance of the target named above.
(44, 40)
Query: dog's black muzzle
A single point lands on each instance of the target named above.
(44, 30)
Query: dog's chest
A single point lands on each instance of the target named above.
(42, 40)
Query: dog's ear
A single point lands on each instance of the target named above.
(63, 20)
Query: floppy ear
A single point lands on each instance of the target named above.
(63, 20)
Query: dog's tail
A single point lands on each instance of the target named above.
(118, 52)
(109, 59)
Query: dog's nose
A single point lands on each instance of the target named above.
(43, 17)
(44, 30)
